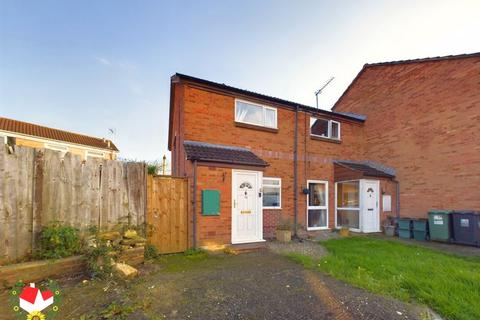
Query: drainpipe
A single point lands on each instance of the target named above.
(295, 169)
(397, 198)
(194, 233)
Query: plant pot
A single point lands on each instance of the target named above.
(389, 231)
(344, 232)
(284, 235)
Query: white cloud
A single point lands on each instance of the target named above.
(103, 61)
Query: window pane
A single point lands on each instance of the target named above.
(270, 118)
(319, 127)
(335, 130)
(348, 195)
(249, 113)
(317, 218)
(271, 196)
(348, 218)
(271, 182)
(317, 197)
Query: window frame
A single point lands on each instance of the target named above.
(279, 186)
(56, 147)
(329, 129)
(91, 154)
(358, 209)
(325, 207)
(264, 108)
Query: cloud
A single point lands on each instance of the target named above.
(103, 61)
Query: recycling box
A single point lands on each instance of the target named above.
(405, 228)
(420, 229)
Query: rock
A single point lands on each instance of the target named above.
(130, 234)
(111, 235)
(125, 271)
(133, 241)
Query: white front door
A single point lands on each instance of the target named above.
(247, 215)
(370, 218)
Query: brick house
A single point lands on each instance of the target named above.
(423, 120)
(255, 160)
(20, 133)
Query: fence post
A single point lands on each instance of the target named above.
(37, 194)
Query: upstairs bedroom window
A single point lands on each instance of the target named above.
(325, 128)
(255, 114)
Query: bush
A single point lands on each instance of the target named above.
(151, 252)
(57, 241)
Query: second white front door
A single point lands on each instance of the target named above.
(370, 219)
(247, 215)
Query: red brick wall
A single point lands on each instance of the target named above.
(423, 120)
(213, 231)
(209, 117)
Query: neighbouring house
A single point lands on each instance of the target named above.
(21, 133)
(388, 148)
(423, 120)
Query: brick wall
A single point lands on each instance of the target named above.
(209, 117)
(423, 120)
(214, 231)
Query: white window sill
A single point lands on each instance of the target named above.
(272, 208)
(318, 228)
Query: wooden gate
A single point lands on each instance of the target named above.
(167, 213)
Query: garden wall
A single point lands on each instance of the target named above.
(39, 186)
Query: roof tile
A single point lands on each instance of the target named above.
(54, 134)
(221, 153)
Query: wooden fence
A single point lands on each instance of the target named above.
(167, 213)
(41, 186)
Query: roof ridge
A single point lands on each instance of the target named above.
(71, 132)
(426, 59)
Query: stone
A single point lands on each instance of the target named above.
(125, 271)
(111, 235)
(133, 241)
(130, 234)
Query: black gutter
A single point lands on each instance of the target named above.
(295, 174)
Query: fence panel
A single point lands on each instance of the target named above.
(40, 186)
(167, 211)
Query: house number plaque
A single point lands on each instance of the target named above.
(245, 211)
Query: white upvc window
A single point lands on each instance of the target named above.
(272, 193)
(317, 205)
(56, 147)
(325, 128)
(94, 154)
(255, 114)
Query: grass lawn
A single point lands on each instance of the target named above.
(448, 284)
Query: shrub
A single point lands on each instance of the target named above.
(99, 257)
(151, 252)
(58, 241)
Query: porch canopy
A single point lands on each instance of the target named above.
(222, 154)
(345, 170)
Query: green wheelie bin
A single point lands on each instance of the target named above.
(440, 223)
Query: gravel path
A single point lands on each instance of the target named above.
(305, 247)
(259, 285)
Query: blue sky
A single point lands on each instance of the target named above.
(87, 66)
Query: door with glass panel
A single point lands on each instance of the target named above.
(348, 204)
(317, 205)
